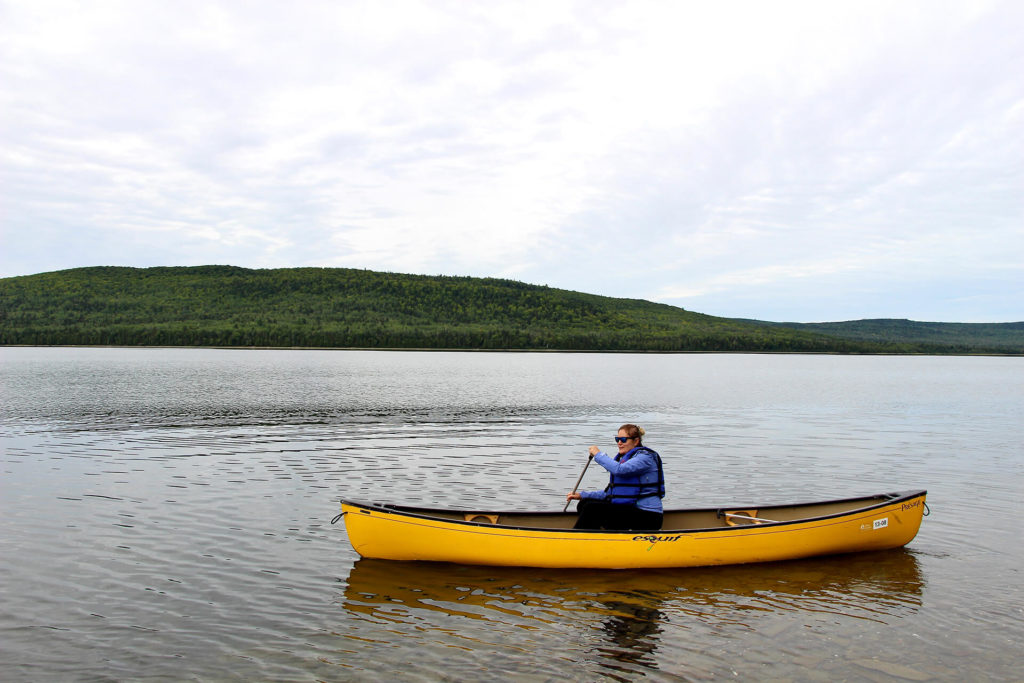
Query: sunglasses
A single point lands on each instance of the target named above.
(623, 439)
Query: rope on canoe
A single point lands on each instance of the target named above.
(927, 510)
(337, 517)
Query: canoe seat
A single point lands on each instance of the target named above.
(481, 518)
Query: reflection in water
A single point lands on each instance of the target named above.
(632, 629)
(625, 618)
(870, 586)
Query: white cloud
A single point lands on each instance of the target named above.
(724, 158)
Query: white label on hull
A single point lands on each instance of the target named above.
(881, 523)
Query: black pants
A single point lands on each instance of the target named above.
(597, 514)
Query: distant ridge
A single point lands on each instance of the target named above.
(350, 308)
(1008, 337)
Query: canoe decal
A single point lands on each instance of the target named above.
(881, 523)
(657, 539)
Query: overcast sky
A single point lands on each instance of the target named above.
(787, 161)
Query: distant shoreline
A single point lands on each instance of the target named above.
(552, 351)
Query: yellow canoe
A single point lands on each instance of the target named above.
(688, 538)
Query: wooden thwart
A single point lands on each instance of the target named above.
(749, 515)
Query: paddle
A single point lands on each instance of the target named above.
(589, 458)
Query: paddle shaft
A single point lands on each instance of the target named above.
(578, 482)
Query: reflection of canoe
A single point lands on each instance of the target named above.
(866, 585)
(689, 538)
(615, 626)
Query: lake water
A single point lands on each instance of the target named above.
(166, 514)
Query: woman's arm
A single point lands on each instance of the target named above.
(639, 463)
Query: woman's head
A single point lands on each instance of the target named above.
(629, 437)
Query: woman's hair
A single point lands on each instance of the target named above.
(633, 432)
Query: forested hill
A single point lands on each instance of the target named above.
(346, 308)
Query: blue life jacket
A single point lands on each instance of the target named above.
(631, 488)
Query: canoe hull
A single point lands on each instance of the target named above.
(386, 532)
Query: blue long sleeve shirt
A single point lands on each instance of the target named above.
(643, 466)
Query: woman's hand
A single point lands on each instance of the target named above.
(572, 496)
(594, 450)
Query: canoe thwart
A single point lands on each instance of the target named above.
(742, 517)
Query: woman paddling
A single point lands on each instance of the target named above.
(632, 499)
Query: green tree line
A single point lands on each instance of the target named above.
(351, 308)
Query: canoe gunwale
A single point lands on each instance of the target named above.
(434, 514)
